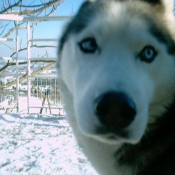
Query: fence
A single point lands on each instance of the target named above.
(36, 94)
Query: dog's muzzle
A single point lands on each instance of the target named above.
(115, 110)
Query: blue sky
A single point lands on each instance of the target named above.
(46, 30)
(68, 5)
(53, 29)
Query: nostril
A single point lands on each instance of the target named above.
(115, 109)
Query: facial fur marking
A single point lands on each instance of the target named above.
(79, 22)
(164, 37)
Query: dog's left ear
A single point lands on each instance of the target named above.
(153, 1)
(168, 4)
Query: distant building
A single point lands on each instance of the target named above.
(6, 79)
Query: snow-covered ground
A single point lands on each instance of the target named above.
(35, 103)
(39, 146)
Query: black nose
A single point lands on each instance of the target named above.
(115, 109)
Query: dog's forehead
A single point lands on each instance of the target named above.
(93, 11)
(89, 11)
(116, 25)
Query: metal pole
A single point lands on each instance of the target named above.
(28, 68)
(17, 69)
(55, 94)
(47, 18)
(60, 102)
(13, 17)
(41, 84)
(37, 87)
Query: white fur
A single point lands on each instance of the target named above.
(114, 68)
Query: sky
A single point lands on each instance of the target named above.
(45, 29)
(66, 9)
(51, 29)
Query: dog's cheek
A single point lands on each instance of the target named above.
(68, 66)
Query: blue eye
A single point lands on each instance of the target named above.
(88, 45)
(148, 54)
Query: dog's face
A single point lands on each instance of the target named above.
(118, 66)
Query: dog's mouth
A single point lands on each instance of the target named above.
(110, 133)
(114, 117)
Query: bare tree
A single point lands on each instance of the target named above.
(26, 8)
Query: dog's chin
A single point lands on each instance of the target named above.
(111, 136)
(108, 139)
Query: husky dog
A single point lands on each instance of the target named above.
(116, 63)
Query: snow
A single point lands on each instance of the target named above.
(36, 104)
(32, 145)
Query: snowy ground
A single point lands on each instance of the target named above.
(39, 146)
(35, 103)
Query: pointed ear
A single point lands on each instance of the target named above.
(168, 4)
(153, 1)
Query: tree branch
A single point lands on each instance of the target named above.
(10, 7)
(28, 12)
(24, 77)
(36, 46)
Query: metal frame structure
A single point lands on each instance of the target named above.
(29, 40)
(17, 18)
